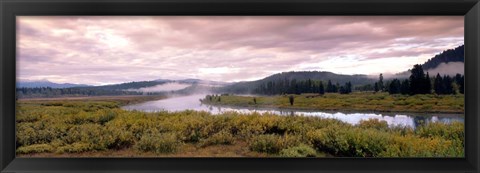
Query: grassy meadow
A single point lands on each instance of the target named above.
(356, 101)
(100, 128)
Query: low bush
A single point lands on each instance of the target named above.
(36, 148)
(158, 143)
(221, 138)
(39, 132)
(121, 138)
(271, 143)
(331, 140)
(94, 134)
(373, 123)
(366, 143)
(266, 143)
(353, 142)
(454, 131)
(413, 146)
(77, 147)
(299, 151)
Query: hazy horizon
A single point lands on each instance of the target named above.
(107, 50)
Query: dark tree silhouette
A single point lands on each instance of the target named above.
(394, 87)
(405, 87)
(380, 82)
(438, 85)
(418, 84)
(321, 89)
(291, 99)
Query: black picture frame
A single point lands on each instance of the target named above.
(11, 8)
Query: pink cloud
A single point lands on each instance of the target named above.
(145, 48)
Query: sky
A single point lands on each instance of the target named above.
(99, 50)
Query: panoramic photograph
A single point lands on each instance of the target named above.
(240, 86)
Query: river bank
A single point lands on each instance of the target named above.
(357, 101)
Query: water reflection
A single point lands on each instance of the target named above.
(192, 102)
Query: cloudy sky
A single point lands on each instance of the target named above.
(106, 50)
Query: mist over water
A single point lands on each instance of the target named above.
(192, 102)
(171, 86)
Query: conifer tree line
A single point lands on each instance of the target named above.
(420, 82)
(294, 86)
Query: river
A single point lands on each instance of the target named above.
(192, 102)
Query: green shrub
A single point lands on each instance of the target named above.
(366, 143)
(104, 116)
(222, 138)
(271, 143)
(77, 147)
(453, 131)
(27, 117)
(39, 132)
(252, 125)
(351, 142)
(81, 118)
(158, 143)
(95, 135)
(27, 135)
(35, 148)
(332, 140)
(121, 138)
(298, 151)
(413, 146)
(266, 143)
(373, 123)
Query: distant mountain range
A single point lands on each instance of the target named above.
(121, 86)
(46, 83)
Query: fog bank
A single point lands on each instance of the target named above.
(171, 86)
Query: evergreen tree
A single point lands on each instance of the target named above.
(405, 87)
(460, 83)
(438, 85)
(321, 90)
(380, 82)
(342, 90)
(349, 87)
(394, 86)
(330, 87)
(447, 82)
(418, 83)
(428, 85)
(308, 86)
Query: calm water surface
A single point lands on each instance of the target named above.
(192, 102)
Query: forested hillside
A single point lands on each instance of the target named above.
(450, 55)
(293, 82)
